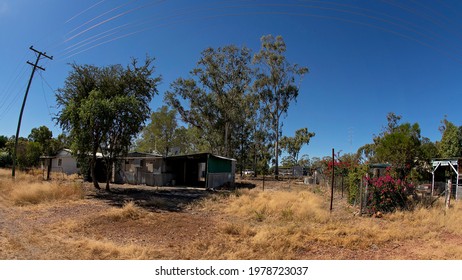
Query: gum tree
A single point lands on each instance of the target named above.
(276, 84)
(213, 97)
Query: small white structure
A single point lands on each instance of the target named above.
(455, 165)
(62, 162)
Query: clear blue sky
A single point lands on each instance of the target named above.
(366, 58)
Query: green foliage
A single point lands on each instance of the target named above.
(399, 147)
(366, 153)
(5, 155)
(218, 99)
(260, 150)
(163, 133)
(29, 150)
(44, 137)
(288, 162)
(5, 158)
(292, 145)
(3, 141)
(451, 140)
(217, 102)
(355, 175)
(275, 84)
(40, 135)
(304, 161)
(103, 108)
(28, 154)
(316, 163)
(403, 147)
(190, 140)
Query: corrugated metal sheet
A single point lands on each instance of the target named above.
(219, 165)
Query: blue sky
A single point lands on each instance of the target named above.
(366, 58)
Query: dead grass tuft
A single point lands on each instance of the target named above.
(105, 250)
(129, 211)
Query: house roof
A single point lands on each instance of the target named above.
(199, 156)
(68, 152)
(138, 155)
(379, 165)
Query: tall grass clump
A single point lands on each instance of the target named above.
(129, 211)
(30, 189)
(24, 193)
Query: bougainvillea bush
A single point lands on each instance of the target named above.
(387, 194)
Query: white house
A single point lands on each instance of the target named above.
(62, 162)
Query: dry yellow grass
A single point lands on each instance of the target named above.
(288, 223)
(26, 189)
(129, 211)
(86, 248)
(36, 193)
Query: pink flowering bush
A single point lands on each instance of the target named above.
(386, 194)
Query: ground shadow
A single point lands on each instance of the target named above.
(238, 185)
(172, 199)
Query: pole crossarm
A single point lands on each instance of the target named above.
(35, 66)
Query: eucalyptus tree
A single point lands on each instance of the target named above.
(450, 144)
(214, 97)
(276, 85)
(44, 137)
(160, 134)
(293, 145)
(103, 108)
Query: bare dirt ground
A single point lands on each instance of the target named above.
(25, 231)
(174, 227)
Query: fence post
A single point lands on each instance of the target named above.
(448, 194)
(333, 179)
(361, 197)
(263, 182)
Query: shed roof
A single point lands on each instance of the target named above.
(199, 156)
(138, 155)
(445, 161)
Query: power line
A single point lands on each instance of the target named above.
(87, 9)
(43, 91)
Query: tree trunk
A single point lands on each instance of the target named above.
(108, 175)
(254, 163)
(226, 140)
(276, 169)
(93, 173)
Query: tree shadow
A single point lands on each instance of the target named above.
(238, 185)
(171, 199)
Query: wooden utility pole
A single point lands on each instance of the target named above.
(35, 66)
